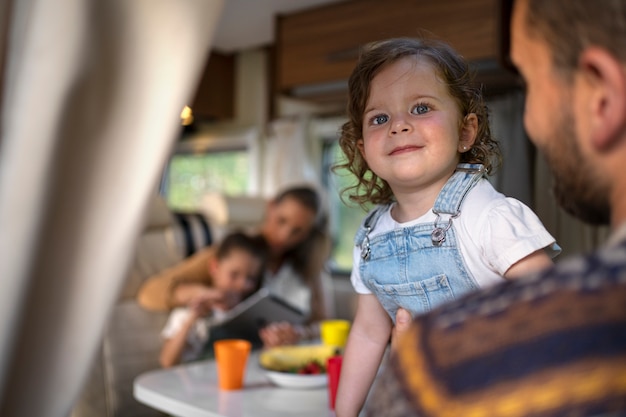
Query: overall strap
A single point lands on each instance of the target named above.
(451, 197)
(368, 223)
(460, 183)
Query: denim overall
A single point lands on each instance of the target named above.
(419, 267)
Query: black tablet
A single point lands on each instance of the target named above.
(256, 311)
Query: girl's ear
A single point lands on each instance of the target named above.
(469, 130)
(605, 78)
(360, 144)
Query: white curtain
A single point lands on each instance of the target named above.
(515, 176)
(291, 156)
(92, 92)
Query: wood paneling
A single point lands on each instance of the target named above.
(321, 45)
(215, 96)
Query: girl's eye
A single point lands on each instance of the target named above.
(420, 109)
(379, 119)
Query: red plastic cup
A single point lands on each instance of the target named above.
(333, 369)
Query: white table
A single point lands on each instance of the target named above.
(191, 391)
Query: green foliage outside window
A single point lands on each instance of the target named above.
(345, 216)
(191, 176)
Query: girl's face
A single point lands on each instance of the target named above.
(412, 134)
(287, 223)
(237, 272)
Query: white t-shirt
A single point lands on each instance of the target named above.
(493, 232)
(197, 336)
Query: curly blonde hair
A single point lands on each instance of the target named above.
(453, 71)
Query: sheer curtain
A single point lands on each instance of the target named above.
(91, 97)
(515, 178)
(291, 155)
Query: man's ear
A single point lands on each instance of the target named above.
(469, 130)
(605, 75)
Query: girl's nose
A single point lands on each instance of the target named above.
(400, 125)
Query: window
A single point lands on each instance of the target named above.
(345, 217)
(203, 164)
(211, 160)
(190, 176)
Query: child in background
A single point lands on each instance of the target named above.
(295, 229)
(419, 143)
(235, 271)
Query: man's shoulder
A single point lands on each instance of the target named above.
(505, 346)
(579, 276)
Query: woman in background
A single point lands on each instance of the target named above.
(294, 228)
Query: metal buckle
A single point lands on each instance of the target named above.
(438, 235)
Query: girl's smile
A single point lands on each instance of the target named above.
(405, 149)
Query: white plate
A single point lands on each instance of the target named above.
(276, 361)
(287, 380)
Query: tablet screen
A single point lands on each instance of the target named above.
(256, 311)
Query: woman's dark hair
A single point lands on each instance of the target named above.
(309, 256)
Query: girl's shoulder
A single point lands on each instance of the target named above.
(486, 200)
(486, 209)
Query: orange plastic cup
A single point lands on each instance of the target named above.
(231, 356)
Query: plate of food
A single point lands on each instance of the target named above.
(300, 366)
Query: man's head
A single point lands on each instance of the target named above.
(572, 56)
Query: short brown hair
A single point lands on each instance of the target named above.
(569, 26)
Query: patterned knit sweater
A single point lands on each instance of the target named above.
(549, 345)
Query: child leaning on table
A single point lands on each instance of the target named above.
(419, 144)
(235, 271)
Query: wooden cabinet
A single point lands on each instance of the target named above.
(320, 46)
(215, 95)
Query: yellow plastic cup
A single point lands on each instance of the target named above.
(231, 356)
(335, 332)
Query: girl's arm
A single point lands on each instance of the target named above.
(366, 345)
(534, 262)
(173, 347)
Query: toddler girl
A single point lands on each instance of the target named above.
(419, 144)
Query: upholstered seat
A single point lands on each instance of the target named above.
(131, 342)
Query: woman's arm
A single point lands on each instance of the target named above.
(159, 292)
(366, 345)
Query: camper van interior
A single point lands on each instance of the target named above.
(135, 133)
